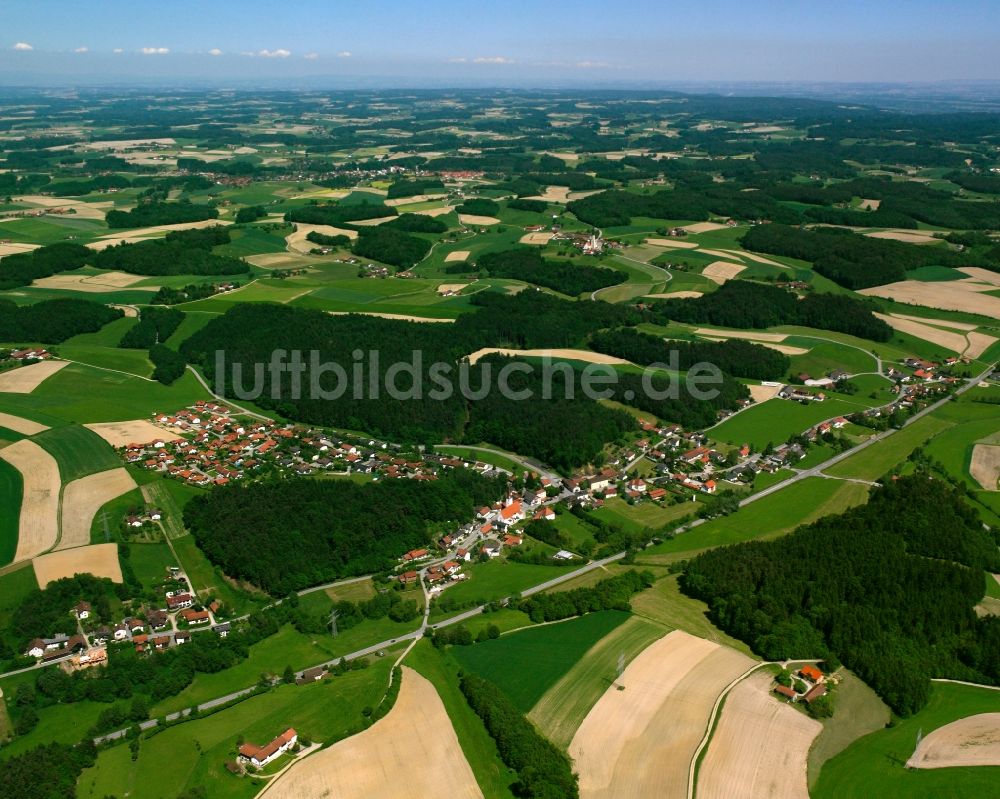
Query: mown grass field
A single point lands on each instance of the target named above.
(875, 764)
(775, 420)
(149, 561)
(562, 708)
(772, 516)
(78, 451)
(206, 579)
(14, 587)
(525, 664)
(11, 488)
(875, 461)
(194, 753)
(664, 604)
(83, 394)
(497, 579)
(441, 669)
(647, 515)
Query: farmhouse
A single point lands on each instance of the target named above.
(82, 610)
(812, 674)
(260, 756)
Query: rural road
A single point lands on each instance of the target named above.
(373, 649)
(527, 463)
(816, 471)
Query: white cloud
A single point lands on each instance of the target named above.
(458, 60)
(215, 51)
(311, 56)
(82, 50)
(279, 53)
(496, 59)
(344, 54)
(155, 50)
(23, 46)
(592, 65)
(118, 51)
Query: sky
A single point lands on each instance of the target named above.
(514, 42)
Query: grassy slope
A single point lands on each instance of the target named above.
(873, 462)
(781, 512)
(84, 394)
(664, 604)
(874, 765)
(858, 711)
(527, 663)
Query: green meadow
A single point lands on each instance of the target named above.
(769, 517)
(525, 664)
(875, 764)
(83, 394)
(194, 753)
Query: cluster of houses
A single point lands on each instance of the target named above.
(88, 647)
(486, 537)
(813, 682)
(210, 446)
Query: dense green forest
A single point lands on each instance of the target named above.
(417, 223)
(737, 357)
(411, 188)
(339, 528)
(390, 246)
(852, 260)
(340, 240)
(52, 321)
(527, 264)
(160, 213)
(564, 431)
(744, 304)
(479, 206)
(543, 770)
(338, 215)
(22, 268)
(155, 326)
(46, 772)
(888, 588)
(181, 252)
(168, 364)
